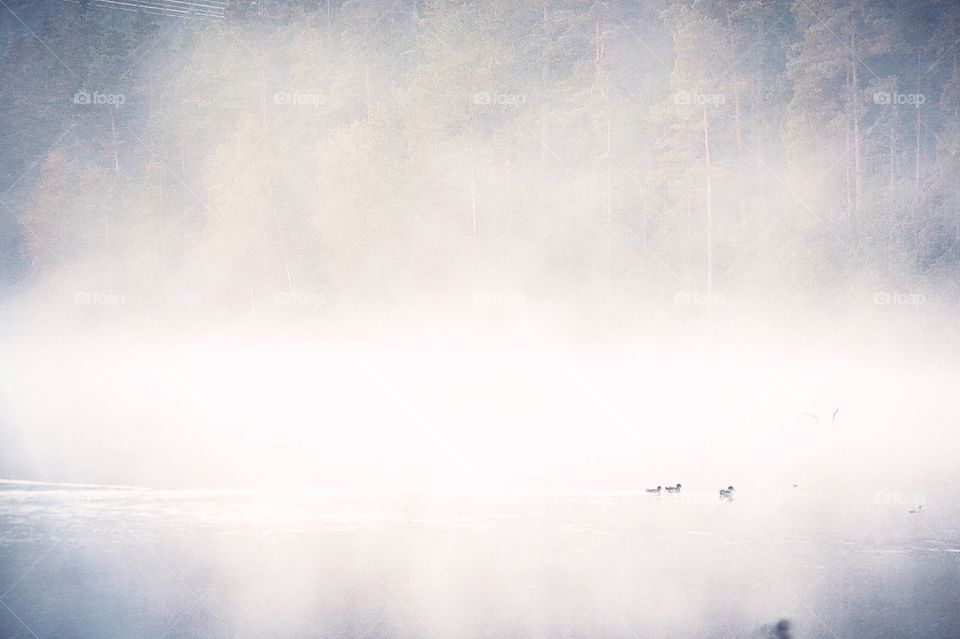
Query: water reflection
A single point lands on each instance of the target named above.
(136, 563)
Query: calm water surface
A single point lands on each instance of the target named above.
(105, 564)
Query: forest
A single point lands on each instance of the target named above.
(651, 159)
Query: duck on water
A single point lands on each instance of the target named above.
(724, 492)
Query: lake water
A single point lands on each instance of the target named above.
(111, 563)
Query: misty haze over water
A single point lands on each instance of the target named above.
(361, 318)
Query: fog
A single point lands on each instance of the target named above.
(344, 278)
(299, 243)
(237, 411)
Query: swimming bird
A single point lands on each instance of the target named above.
(726, 492)
(917, 510)
(671, 489)
(655, 490)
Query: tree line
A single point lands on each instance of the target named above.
(577, 151)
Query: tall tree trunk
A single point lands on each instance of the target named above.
(892, 157)
(709, 196)
(855, 114)
(737, 127)
(161, 223)
(108, 232)
(609, 173)
(758, 104)
(605, 165)
(918, 134)
(598, 47)
(848, 209)
(473, 193)
(544, 70)
(113, 141)
(263, 103)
